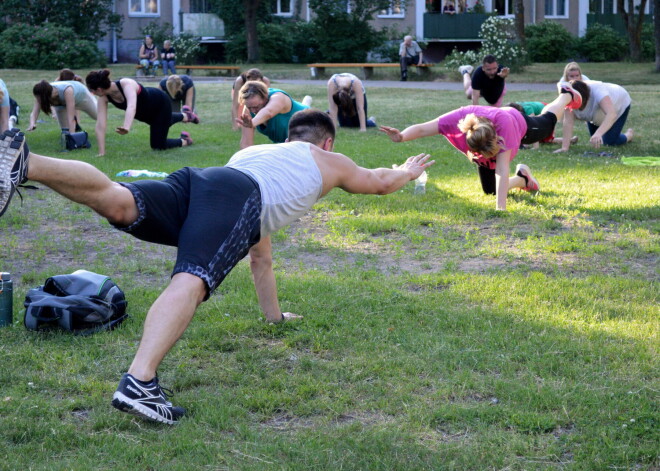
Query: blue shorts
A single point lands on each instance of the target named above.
(212, 215)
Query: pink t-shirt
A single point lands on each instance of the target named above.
(509, 124)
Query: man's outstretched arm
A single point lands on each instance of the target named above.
(261, 264)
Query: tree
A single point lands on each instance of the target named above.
(634, 22)
(91, 19)
(520, 20)
(656, 22)
(251, 9)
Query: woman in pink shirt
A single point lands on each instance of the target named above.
(490, 137)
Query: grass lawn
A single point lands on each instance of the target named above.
(438, 333)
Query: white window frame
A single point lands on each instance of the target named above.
(390, 14)
(279, 12)
(554, 9)
(142, 12)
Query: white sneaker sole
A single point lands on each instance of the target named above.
(125, 404)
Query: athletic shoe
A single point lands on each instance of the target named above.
(190, 114)
(148, 400)
(531, 184)
(576, 98)
(186, 137)
(466, 69)
(372, 119)
(14, 154)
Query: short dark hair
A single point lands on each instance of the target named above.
(489, 59)
(312, 126)
(584, 90)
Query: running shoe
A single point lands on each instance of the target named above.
(186, 137)
(190, 114)
(576, 98)
(148, 400)
(465, 69)
(531, 184)
(14, 154)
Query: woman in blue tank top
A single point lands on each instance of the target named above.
(270, 110)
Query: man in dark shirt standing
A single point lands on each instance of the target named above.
(487, 81)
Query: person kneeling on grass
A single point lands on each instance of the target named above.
(214, 216)
(149, 105)
(491, 137)
(605, 107)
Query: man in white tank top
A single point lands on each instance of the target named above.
(269, 186)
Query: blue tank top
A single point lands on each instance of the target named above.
(277, 127)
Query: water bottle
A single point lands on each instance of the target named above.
(420, 184)
(65, 131)
(6, 299)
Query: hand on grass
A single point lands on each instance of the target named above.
(596, 141)
(122, 130)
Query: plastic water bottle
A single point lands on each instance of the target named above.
(420, 184)
(6, 299)
(65, 131)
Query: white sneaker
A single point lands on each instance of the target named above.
(466, 69)
(372, 119)
(307, 101)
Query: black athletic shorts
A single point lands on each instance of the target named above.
(213, 216)
(539, 127)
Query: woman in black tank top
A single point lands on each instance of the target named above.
(149, 105)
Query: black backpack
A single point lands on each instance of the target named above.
(82, 302)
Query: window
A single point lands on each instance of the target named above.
(395, 10)
(143, 7)
(556, 8)
(504, 7)
(283, 8)
(200, 6)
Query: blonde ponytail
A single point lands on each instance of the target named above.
(480, 135)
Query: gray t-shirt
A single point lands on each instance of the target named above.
(410, 51)
(599, 90)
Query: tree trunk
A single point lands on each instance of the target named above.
(520, 20)
(251, 8)
(656, 22)
(634, 23)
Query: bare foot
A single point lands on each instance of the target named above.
(629, 134)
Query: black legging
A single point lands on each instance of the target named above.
(153, 107)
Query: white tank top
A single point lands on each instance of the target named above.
(288, 177)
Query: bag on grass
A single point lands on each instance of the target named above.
(82, 302)
(77, 140)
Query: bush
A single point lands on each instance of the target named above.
(47, 47)
(602, 44)
(500, 40)
(648, 42)
(458, 58)
(187, 48)
(549, 42)
(276, 43)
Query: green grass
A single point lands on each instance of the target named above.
(438, 333)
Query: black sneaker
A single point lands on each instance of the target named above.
(14, 154)
(148, 400)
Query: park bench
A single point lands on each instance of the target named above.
(232, 69)
(318, 70)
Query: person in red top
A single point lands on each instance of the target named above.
(490, 137)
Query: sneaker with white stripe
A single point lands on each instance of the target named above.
(14, 154)
(148, 400)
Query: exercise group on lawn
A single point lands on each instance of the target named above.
(216, 216)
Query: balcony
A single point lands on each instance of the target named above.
(459, 27)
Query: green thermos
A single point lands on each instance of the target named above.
(6, 299)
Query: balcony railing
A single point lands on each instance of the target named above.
(461, 26)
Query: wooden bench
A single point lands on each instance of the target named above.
(318, 70)
(232, 69)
